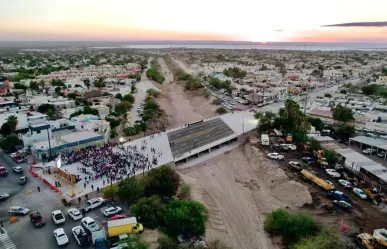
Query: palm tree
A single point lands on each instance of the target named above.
(12, 120)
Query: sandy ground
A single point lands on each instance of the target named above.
(165, 71)
(180, 106)
(183, 66)
(239, 188)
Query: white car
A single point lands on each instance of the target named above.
(345, 184)
(90, 224)
(359, 193)
(58, 217)
(275, 156)
(74, 213)
(332, 173)
(17, 169)
(111, 211)
(291, 147)
(369, 151)
(93, 203)
(80, 236)
(61, 237)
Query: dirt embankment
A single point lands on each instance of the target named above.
(182, 107)
(239, 188)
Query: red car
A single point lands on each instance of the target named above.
(3, 171)
(118, 217)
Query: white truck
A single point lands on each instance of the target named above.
(265, 139)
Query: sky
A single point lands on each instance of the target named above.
(230, 20)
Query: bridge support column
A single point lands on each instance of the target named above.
(209, 150)
(186, 159)
(218, 146)
(198, 154)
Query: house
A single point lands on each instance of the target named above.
(4, 86)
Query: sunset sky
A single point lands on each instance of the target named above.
(242, 20)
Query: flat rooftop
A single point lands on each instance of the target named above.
(197, 135)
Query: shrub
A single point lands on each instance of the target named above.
(221, 110)
(216, 102)
(293, 227)
(184, 192)
(110, 192)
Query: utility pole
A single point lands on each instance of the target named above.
(306, 98)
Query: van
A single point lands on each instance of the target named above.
(265, 139)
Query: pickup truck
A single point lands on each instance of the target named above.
(337, 195)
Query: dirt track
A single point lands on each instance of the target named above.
(239, 188)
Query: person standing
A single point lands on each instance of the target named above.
(38, 189)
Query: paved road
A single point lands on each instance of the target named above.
(22, 233)
(198, 134)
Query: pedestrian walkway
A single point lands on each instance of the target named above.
(5, 240)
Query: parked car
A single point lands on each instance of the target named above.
(89, 224)
(369, 151)
(360, 193)
(75, 214)
(295, 165)
(23, 180)
(17, 169)
(291, 146)
(58, 217)
(275, 156)
(381, 154)
(332, 173)
(3, 171)
(343, 205)
(306, 159)
(345, 184)
(93, 203)
(18, 210)
(109, 211)
(4, 197)
(80, 236)
(118, 217)
(61, 237)
(37, 219)
(339, 196)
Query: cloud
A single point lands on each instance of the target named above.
(358, 24)
(279, 30)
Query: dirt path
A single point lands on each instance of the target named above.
(239, 188)
(184, 67)
(165, 71)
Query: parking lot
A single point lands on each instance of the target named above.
(23, 233)
(364, 214)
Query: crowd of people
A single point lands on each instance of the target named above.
(111, 161)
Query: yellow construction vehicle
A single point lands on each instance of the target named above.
(376, 241)
(321, 160)
(373, 194)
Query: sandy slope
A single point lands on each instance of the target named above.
(183, 66)
(239, 188)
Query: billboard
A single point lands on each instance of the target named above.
(58, 162)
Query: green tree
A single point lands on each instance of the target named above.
(162, 181)
(34, 86)
(343, 114)
(110, 192)
(129, 98)
(132, 242)
(316, 123)
(71, 96)
(43, 108)
(6, 129)
(328, 95)
(293, 227)
(10, 142)
(149, 210)
(119, 96)
(184, 192)
(122, 107)
(185, 217)
(51, 114)
(166, 242)
(370, 89)
(331, 156)
(314, 145)
(130, 190)
(12, 120)
(343, 91)
(345, 131)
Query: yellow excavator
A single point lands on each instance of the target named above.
(376, 241)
